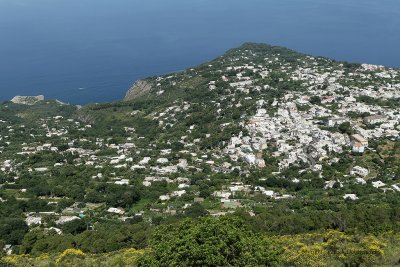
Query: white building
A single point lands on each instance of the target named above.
(360, 171)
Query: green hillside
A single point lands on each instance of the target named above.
(287, 158)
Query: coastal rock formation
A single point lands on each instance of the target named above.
(27, 100)
(139, 88)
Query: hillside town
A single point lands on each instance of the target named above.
(78, 162)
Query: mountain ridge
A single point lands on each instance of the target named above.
(288, 54)
(142, 87)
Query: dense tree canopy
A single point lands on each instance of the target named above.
(209, 242)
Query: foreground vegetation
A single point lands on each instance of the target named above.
(228, 241)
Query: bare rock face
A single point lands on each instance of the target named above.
(27, 100)
(139, 88)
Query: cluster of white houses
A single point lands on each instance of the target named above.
(293, 128)
(297, 134)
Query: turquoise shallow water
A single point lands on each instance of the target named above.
(82, 51)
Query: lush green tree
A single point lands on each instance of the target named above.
(196, 210)
(315, 100)
(209, 242)
(12, 230)
(74, 227)
(345, 127)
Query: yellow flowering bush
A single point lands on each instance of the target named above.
(126, 257)
(307, 255)
(352, 250)
(330, 248)
(43, 257)
(299, 252)
(14, 259)
(70, 253)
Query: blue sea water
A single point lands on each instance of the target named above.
(82, 51)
